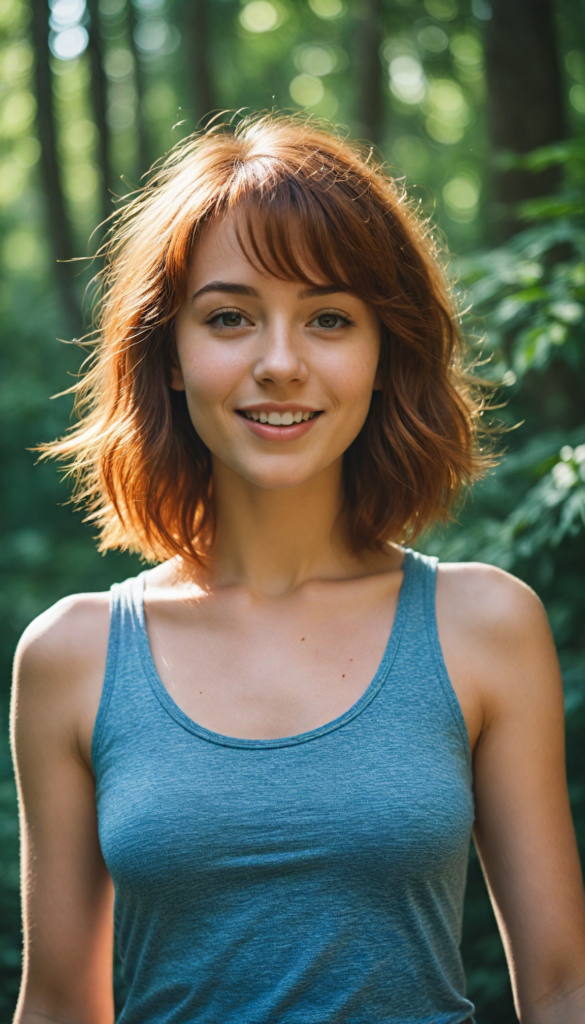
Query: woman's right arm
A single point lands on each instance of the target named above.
(67, 891)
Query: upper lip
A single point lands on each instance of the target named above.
(277, 407)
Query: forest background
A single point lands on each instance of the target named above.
(479, 105)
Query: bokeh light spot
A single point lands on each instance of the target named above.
(481, 9)
(306, 90)
(316, 60)
(80, 135)
(433, 39)
(65, 13)
(461, 196)
(26, 152)
(577, 98)
(10, 13)
(151, 36)
(444, 10)
(16, 60)
(327, 107)
(259, 16)
(407, 80)
(442, 131)
(467, 49)
(327, 8)
(118, 63)
(19, 111)
(448, 111)
(447, 97)
(69, 43)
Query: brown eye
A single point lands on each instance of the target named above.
(229, 320)
(329, 321)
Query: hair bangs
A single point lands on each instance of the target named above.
(286, 232)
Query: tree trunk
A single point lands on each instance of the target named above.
(369, 70)
(59, 227)
(525, 99)
(144, 152)
(99, 93)
(198, 66)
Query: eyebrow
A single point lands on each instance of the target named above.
(226, 286)
(232, 288)
(325, 289)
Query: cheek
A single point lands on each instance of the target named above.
(354, 377)
(210, 375)
(209, 378)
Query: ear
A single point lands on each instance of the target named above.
(176, 382)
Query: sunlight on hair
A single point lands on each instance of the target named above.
(310, 205)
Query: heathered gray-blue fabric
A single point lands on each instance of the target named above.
(316, 879)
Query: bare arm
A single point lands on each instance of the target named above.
(496, 633)
(67, 891)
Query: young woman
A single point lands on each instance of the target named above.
(263, 746)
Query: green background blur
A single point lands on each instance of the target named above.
(479, 106)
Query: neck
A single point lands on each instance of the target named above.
(274, 540)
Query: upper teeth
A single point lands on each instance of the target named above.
(277, 419)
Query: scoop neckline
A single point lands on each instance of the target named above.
(182, 719)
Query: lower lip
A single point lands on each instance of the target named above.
(270, 433)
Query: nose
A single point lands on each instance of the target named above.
(280, 360)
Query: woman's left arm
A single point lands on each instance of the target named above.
(499, 645)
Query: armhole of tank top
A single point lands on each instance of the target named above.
(431, 566)
(109, 674)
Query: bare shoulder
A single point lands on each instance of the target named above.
(489, 600)
(59, 667)
(496, 640)
(73, 630)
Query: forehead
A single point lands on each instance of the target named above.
(248, 243)
(217, 246)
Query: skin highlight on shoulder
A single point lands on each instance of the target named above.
(492, 627)
(59, 668)
(487, 598)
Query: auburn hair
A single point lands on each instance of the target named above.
(303, 198)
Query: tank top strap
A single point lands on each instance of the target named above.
(420, 648)
(126, 619)
(420, 575)
(123, 656)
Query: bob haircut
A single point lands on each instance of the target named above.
(309, 207)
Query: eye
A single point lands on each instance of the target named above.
(229, 318)
(330, 320)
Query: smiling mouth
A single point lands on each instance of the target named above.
(278, 419)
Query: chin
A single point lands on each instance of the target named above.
(281, 478)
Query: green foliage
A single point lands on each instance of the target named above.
(527, 303)
(45, 552)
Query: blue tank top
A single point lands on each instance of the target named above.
(315, 879)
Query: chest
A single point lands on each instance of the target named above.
(271, 670)
(372, 799)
